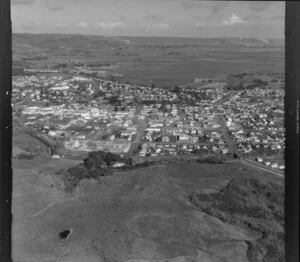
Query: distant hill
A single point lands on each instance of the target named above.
(253, 42)
(202, 41)
(250, 81)
(95, 42)
(58, 40)
(61, 47)
(159, 60)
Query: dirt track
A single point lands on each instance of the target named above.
(139, 215)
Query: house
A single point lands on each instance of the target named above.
(165, 139)
(214, 148)
(195, 139)
(126, 123)
(52, 133)
(143, 152)
(118, 164)
(150, 129)
(193, 131)
(184, 137)
(224, 151)
(259, 159)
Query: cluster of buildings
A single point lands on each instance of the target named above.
(95, 125)
(171, 149)
(268, 163)
(256, 120)
(90, 114)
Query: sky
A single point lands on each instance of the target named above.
(174, 18)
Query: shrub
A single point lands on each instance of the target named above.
(258, 205)
(25, 156)
(210, 160)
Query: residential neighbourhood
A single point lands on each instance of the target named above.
(90, 114)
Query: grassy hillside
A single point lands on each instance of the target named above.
(252, 203)
(27, 147)
(139, 215)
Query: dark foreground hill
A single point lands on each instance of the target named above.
(255, 204)
(136, 215)
(28, 147)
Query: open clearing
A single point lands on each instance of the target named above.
(138, 215)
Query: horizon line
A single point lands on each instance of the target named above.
(212, 37)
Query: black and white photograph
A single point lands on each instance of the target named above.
(148, 131)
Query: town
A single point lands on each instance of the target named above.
(88, 113)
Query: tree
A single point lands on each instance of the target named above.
(81, 87)
(176, 89)
(111, 78)
(98, 93)
(113, 100)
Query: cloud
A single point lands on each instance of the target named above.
(54, 5)
(277, 18)
(80, 1)
(234, 19)
(82, 24)
(29, 26)
(198, 24)
(260, 5)
(161, 26)
(55, 8)
(111, 25)
(58, 5)
(62, 25)
(153, 17)
(217, 11)
(190, 4)
(22, 2)
(144, 24)
(214, 9)
(252, 18)
(257, 18)
(216, 6)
